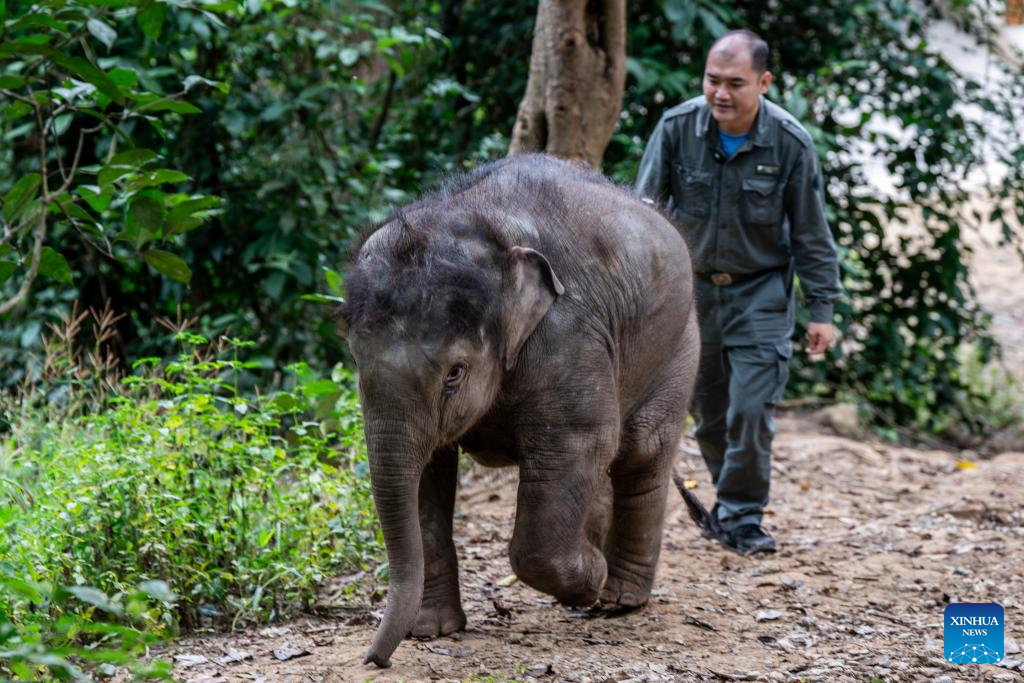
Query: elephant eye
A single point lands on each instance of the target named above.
(455, 375)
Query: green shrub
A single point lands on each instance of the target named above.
(240, 504)
(66, 633)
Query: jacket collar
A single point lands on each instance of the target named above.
(761, 133)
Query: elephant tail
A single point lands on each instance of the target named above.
(698, 513)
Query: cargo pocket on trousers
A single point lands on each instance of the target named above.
(783, 352)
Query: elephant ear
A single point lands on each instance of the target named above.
(529, 287)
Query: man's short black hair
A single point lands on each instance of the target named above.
(758, 47)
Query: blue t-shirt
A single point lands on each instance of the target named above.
(731, 143)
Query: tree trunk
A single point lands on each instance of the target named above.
(577, 76)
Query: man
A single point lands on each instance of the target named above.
(740, 178)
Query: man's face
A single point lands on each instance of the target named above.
(732, 87)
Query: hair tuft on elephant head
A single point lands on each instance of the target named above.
(418, 275)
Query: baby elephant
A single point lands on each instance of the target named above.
(532, 314)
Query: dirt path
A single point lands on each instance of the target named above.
(875, 541)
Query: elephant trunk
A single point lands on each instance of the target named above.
(395, 471)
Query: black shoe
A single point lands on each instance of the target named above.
(747, 539)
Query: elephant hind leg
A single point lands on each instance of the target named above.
(599, 519)
(640, 483)
(633, 543)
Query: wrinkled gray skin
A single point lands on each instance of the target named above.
(535, 315)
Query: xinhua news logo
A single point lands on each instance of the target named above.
(973, 632)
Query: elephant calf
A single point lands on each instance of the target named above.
(533, 314)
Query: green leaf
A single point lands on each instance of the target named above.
(133, 233)
(152, 103)
(19, 196)
(334, 282)
(101, 32)
(7, 269)
(193, 81)
(107, 656)
(95, 597)
(98, 201)
(109, 4)
(166, 263)
(34, 39)
(712, 23)
(149, 213)
(62, 123)
(273, 112)
(681, 14)
(36, 20)
(88, 72)
(15, 49)
(30, 333)
(160, 177)
(133, 157)
(16, 109)
(53, 264)
(151, 19)
(319, 387)
(190, 214)
(348, 56)
(11, 82)
(287, 402)
(75, 211)
(29, 590)
(394, 65)
(123, 77)
(323, 299)
(22, 670)
(109, 174)
(158, 590)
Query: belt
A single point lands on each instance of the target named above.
(726, 279)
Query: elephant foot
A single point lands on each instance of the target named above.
(624, 594)
(438, 620)
(579, 600)
(575, 581)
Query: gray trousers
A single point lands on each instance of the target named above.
(744, 365)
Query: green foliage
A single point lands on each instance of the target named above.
(310, 119)
(313, 119)
(72, 632)
(910, 308)
(332, 119)
(241, 505)
(86, 104)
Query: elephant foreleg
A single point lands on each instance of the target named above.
(553, 546)
(441, 610)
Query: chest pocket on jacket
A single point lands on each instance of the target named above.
(762, 201)
(693, 196)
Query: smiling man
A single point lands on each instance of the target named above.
(741, 180)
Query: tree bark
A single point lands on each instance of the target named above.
(577, 76)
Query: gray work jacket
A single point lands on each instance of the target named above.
(762, 209)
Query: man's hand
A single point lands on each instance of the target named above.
(819, 339)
